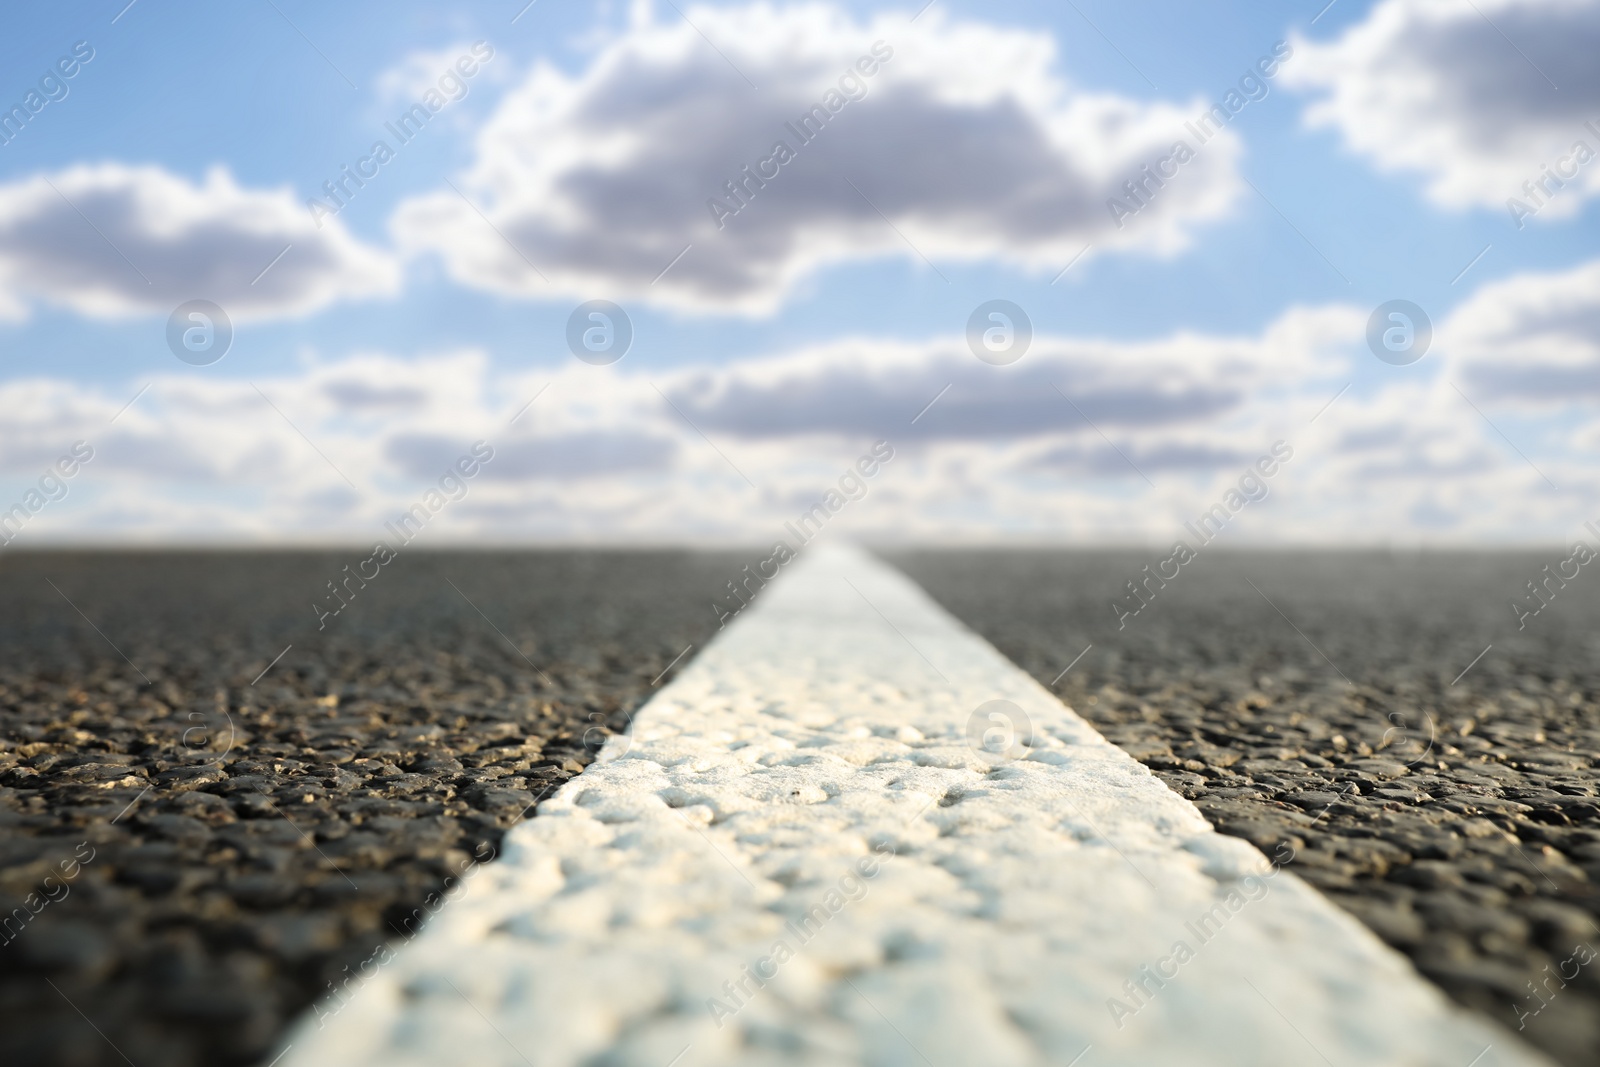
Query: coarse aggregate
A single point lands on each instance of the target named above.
(194, 847)
(853, 833)
(1325, 700)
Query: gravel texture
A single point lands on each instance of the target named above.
(197, 856)
(810, 853)
(1458, 820)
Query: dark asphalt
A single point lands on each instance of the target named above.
(1460, 822)
(279, 831)
(188, 859)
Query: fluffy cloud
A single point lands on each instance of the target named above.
(113, 240)
(1532, 338)
(877, 388)
(1415, 461)
(1465, 94)
(437, 74)
(222, 458)
(563, 457)
(419, 72)
(963, 144)
(600, 455)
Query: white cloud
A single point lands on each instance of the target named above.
(115, 240)
(1465, 94)
(1416, 462)
(1533, 338)
(874, 387)
(443, 76)
(965, 138)
(420, 72)
(600, 455)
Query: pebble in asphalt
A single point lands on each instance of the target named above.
(1319, 699)
(191, 854)
(207, 855)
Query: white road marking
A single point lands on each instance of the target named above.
(934, 903)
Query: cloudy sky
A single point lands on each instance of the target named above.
(400, 208)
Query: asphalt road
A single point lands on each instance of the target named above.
(199, 850)
(209, 847)
(1319, 699)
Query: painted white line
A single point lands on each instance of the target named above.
(882, 889)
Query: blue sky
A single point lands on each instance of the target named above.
(282, 93)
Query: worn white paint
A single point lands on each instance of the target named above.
(823, 735)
